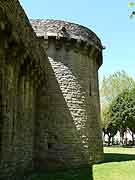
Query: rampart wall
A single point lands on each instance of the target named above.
(49, 100)
(22, 72)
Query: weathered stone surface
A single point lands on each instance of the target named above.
(74, 35)
(69, 30)
(71, 133)
(49, 103)
(22, 71)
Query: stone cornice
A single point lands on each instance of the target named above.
(76, 45)
(70, 35)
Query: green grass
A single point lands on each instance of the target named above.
(119, 164)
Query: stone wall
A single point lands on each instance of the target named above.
(22, 71)
(49, 110)
(69, 123)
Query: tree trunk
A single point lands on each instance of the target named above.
(121, 137)
(133, 139)
(125, 139)
(113, 140)
(103, 136)
(109, 140)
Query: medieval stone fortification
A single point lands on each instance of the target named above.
(49, 95)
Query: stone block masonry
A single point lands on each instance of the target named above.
(71, 133)
(49, 100)
(22, 71)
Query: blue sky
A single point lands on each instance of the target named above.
(108, 19)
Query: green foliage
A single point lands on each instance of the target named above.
(122, 110)
(131, 4)
(117, 103)
(132, 14)
(109, 127)
(114, 84)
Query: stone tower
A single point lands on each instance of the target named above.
(68, 131)
(49, 100)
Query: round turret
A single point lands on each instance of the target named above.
(73, 35)
(71, 132)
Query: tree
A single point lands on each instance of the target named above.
(108, 126)
(122, 111)
(113, 85)
(111, 88)
(131, 4)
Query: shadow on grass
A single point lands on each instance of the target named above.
(67, 174)
(114, 157)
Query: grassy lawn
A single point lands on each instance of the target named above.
(119, 164)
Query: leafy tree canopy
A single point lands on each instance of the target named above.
(117, 103)
(131, 4)
(113, 85)
(122, 110)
